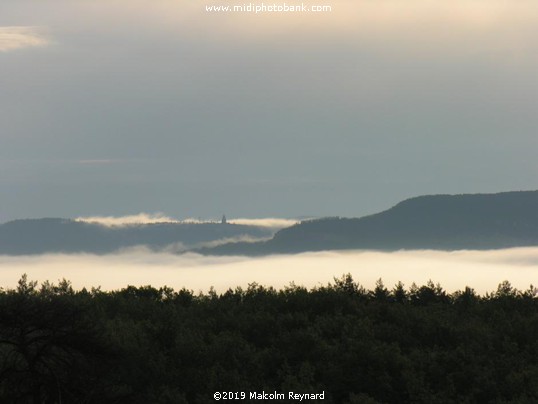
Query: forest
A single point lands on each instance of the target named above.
(416, 344)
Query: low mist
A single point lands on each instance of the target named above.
(151, 218)
(482, 270)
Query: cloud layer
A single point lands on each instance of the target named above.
(140, 218)
(148, 218)
(272, 222)
(12, 38)
(482, 270)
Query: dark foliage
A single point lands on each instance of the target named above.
(148, 345)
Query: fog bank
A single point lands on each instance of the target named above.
(150, 218)
(482, 270)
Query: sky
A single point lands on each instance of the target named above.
(117, 107)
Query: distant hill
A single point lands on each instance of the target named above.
(36, 236)
(443, 222)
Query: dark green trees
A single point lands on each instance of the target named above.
(142, 344)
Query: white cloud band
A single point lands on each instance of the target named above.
(482, 270)
(149, 218)
(141, 218)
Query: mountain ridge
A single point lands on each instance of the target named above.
(58, 235)
(439, 222)
(443, 222)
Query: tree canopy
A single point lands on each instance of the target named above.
(388, 345)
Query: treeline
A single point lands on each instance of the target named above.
(148, 345)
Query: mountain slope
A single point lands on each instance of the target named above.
(445, 222)
(36, 236)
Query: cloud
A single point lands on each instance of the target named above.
(482, 270)
(149, 218)
(271, 222)
(12, 38)
(141, 218)
(227, 240)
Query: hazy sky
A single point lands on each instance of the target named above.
(115, 107)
